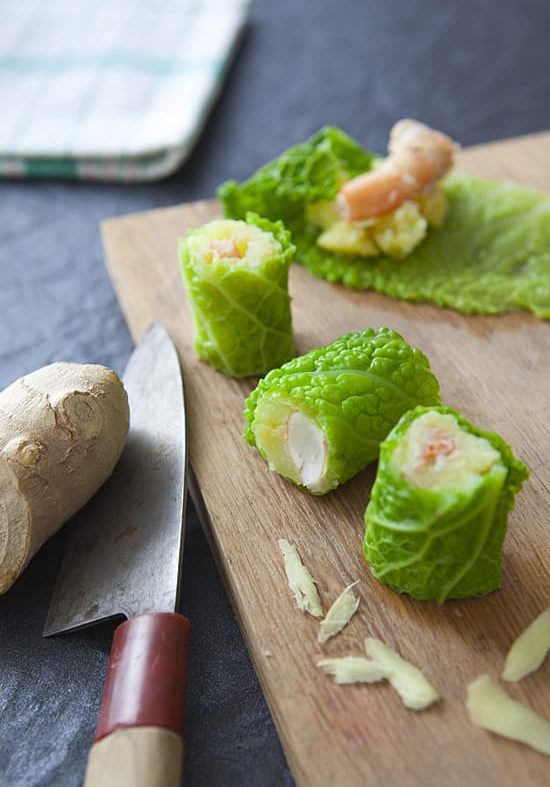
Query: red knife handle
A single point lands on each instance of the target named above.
(139, 738)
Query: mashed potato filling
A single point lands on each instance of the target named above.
(437, 453)
(395, 233)
(226, 240)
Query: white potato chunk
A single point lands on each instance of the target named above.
(399, 232)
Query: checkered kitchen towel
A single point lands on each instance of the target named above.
(109, 89)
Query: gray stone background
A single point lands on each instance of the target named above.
(479, 70)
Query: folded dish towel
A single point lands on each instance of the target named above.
(109, 90)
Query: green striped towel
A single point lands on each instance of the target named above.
(109, 89)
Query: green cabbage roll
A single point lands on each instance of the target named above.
(319, 419)
(490, 253)
(236, 277)
(437, 516)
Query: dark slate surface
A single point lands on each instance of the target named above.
(478, 69)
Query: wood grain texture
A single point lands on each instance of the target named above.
(136, 757)
(497, 372)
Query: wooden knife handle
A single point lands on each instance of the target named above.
(139, 737)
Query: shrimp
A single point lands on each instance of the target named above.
(438, 447)
(418, 157)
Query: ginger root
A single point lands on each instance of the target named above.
(62, 430)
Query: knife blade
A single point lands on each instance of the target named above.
(123, 556)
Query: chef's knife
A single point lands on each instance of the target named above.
(123, 557)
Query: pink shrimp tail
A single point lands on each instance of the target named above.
(373, 193)
(418, 157)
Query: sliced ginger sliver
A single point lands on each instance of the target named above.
(409, 682)
(384, 664)
(353, 669)
(339, 615)
(300, 581)
(530, 649)
(491, 708)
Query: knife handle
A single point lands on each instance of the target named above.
(139, 737)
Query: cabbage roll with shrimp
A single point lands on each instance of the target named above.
(437, 516)
(236, 277)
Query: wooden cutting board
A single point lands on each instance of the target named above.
(497, 371)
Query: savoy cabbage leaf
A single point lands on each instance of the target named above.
(354, 390)
(306, 173)
(440, 543)
(492, 254)
(241, 313)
